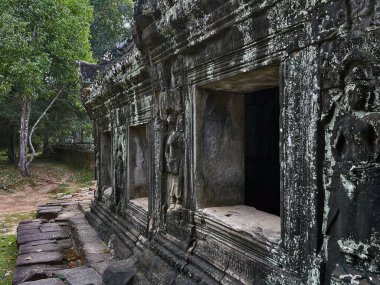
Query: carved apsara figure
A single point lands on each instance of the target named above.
(357, 140)
(354, 204)
(174, 150)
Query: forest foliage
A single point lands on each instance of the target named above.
(41, 42)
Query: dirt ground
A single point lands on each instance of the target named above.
(19, 197)
(49, 182)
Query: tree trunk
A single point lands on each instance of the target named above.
(24, 131)
(35, 126)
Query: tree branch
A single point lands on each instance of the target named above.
(35, 125)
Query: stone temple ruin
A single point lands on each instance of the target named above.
(237, 142)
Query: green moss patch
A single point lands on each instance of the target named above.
(8, 255)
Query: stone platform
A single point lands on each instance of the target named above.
(60, 247)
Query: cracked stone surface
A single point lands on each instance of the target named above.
(42, 244)
(44, 257)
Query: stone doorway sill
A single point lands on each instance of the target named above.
(246, 221)
(141, 202)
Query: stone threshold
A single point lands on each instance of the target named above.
(60, 247)
(246, 221)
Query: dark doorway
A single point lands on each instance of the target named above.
(262, 164)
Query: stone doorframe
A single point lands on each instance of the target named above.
(300, 158)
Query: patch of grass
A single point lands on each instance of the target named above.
(9, 221)
(8, 245)
(8, 255)
(84, 177)
(81, 175)
(43, 172)
(64, 189)
(61, 188)
(10, 179)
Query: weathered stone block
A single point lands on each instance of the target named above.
(49, 258)
(80, 276)
(120, 272)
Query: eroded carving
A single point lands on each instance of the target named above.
(356, 198)
(364, 14)
(174, 150)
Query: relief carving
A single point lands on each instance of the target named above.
(357, 141)
(354, 203)
(174, 150)
(364, 14)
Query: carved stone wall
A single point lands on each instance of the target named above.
(182, 80)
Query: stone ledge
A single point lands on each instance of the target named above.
(247, 221)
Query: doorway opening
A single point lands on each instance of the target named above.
(262, 163)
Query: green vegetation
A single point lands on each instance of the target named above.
(8, 254)
(81, 178)
(41, 42)
(80, 175)
(8, 246)
(10, 221)
(112, 24)
(84, 177)
(10, 179)
(45, 171)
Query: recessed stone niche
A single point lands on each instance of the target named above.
(138, 179)
(237, 145)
